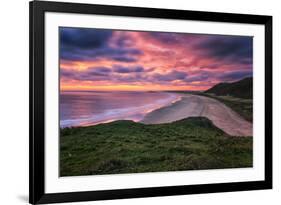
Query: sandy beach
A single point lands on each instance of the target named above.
(193, 105)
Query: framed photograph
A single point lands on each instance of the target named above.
(140, 102)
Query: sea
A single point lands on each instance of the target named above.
(83, 108)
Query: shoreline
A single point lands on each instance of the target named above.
(189, 105)
(195, 106)
(134, 113)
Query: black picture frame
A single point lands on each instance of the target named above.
(37, 194)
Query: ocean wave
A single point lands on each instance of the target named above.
(129, 113)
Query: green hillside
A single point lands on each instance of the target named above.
(239, 89)
(128, 147)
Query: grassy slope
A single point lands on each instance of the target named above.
(237, 95)
(240, 89)
(129, 147)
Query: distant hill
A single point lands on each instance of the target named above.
(240, 89)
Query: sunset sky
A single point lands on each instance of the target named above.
(108, 60)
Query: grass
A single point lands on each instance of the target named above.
(129, 147)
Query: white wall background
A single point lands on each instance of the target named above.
(14, 100)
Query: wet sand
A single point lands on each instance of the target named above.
(193, 105)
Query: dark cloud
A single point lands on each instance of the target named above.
(124, 59)
(132, 78)
(99, 71)
(167, 38)
(84, 38)
(182, 39)
(81, 44)
(234, 49)
(121, 54)
(91, 74)
(171, 76)
(199, 77)
(67, 74)
(115, 74)
(133, 69)
(124, 41)
(234, 75)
